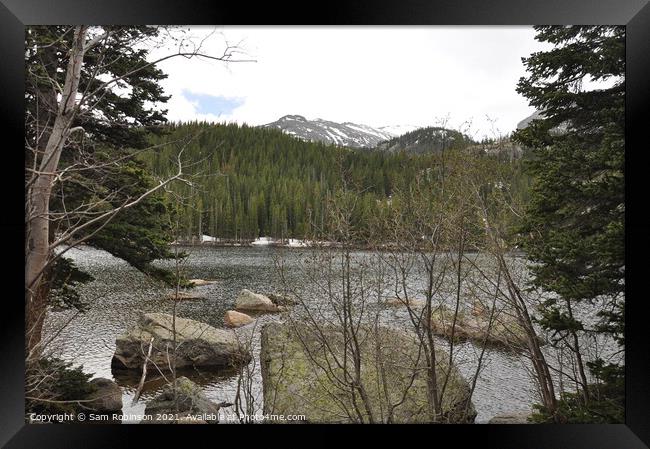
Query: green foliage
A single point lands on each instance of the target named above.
(431, 139)
(258, 181)
(65, 278)
(100, 165)
(574, 223)
(139, 234)
(116, 120)
(253, 182)
(606, 404)
(575, 220)
(54, 386)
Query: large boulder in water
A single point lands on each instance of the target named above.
(301, 373)
(184, 404)
(106, 398)
(247, 300)
(198, 344)
(233, 318)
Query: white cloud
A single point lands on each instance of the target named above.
(370, 75)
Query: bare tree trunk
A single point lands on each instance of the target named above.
(38, 220)
(143, 377)
(577, 352)
(539, 361)
(459, 266)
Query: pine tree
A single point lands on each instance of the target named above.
(574, 226)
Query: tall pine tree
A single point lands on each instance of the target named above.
(574, 226)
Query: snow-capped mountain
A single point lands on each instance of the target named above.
(343, 134)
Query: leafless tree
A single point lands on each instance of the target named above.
(342, 309)
(497, 210)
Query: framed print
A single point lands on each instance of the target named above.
(392, 214)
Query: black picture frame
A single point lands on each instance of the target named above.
(635, 14)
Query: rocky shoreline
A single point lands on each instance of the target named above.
(292, 381)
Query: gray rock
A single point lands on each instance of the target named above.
(198, 344)
(106, 398)
(537, 115)
(247, 300)
(295, 381)
(189, 405)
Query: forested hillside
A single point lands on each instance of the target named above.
(427, 140)
(251, 182)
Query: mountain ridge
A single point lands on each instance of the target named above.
(346, 134)
(390, 138)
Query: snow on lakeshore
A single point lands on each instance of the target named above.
(262, 241)
(292, 243)
(298, 243)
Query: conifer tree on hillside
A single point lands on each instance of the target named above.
(256, 181)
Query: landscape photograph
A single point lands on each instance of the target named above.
(325, 224)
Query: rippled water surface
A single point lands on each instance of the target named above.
(120, 292)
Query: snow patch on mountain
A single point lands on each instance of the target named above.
(342, 134)
(398, 130)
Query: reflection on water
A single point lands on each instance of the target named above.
(120, 292)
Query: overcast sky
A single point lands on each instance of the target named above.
(370, 75)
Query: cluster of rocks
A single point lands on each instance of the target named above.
(197, 344)
(498, 329)
(248, 301)
(180, 402)
(184, 295)
(293, 362)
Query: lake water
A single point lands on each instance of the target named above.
(120, 292)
